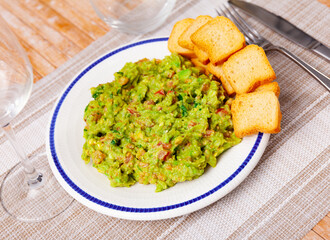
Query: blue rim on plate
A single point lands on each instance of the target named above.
(123, 208)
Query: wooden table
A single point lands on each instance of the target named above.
(53, 31)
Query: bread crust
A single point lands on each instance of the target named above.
(218, 72)
(248, 68)
(219, 38)
(184, 39)
(256, 112)
(273, 86)
(177, 30)
(201, 55)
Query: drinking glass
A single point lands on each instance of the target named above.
(29, 191)
(133, 16)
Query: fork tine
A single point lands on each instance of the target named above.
(241, 26)
(251, 29)
(221, 12)
(248, 36)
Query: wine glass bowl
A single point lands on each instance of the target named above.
(133, 16)
(14, 65)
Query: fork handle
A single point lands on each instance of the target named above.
(324, 80)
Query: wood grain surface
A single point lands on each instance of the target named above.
(53, 31)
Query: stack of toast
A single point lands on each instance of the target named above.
(218, 47)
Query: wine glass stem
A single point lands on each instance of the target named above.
(30, 172)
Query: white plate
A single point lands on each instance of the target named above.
(139, 202)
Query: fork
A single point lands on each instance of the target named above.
(253, 37)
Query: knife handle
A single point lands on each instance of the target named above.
(324, 80)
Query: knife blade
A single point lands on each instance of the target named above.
(283, 27)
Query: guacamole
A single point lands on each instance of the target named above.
(159, 122)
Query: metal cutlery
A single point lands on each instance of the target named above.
(253, 37)
(283, 27)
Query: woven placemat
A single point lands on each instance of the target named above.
(283, 198)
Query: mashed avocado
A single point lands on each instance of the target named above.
(159, 122)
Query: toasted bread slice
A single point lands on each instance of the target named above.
(256, 112)
(184, 39)
(218, 72)
(219, 38)
(248, 68)
(197, 63)
(177, 30)
(273, 86)
(201, 55)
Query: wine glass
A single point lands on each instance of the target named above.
(133, 16)
(29, 191)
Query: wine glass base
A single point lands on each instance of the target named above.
(33, 204)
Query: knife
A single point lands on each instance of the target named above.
(282, 26)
